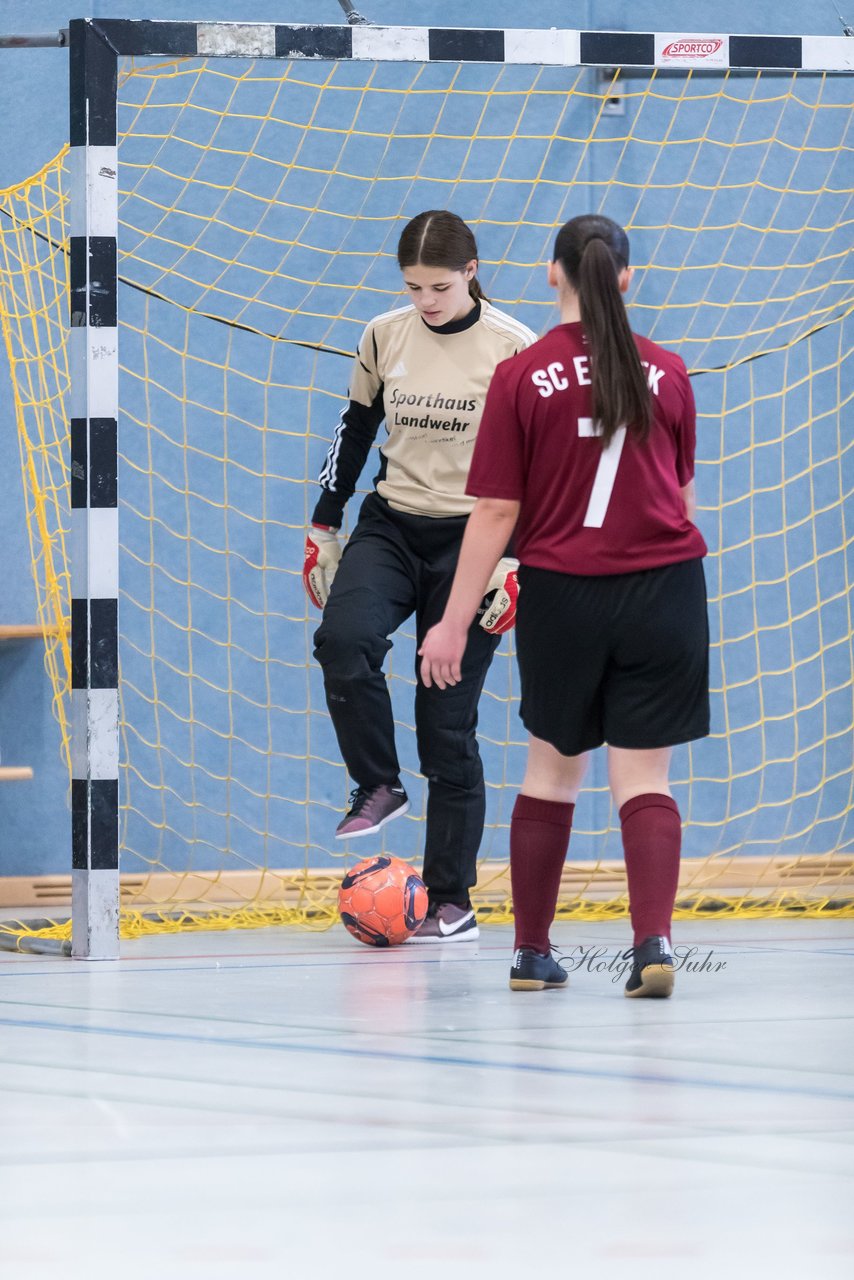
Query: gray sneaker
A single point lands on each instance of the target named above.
(447, 923)
(370, 809)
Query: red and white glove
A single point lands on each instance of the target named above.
(497, 612)
(322, 553)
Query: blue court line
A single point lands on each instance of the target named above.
(440, 1060)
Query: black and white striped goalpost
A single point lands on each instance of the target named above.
(94, 557)
(95, 45)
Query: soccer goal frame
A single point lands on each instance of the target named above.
(95, 46)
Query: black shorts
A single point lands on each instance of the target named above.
(618, 658)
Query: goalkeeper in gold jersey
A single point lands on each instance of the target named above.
(424, 370)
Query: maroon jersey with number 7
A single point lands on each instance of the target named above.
(583, 509)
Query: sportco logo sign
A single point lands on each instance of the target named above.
(694, 49)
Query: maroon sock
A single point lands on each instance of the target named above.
(652, 840)
(539, 839)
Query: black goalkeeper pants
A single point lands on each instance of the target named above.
(395, 565)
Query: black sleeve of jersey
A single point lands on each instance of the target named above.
(350, 446)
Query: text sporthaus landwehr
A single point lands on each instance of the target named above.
(402, 401)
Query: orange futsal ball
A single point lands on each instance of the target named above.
(382, 901)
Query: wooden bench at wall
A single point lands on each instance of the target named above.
(26, 631)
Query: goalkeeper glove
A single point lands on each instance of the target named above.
(497, 612)
(322, 553)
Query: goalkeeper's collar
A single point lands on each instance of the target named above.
(457, 326)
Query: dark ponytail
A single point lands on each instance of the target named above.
(593, 251)
(438, 238)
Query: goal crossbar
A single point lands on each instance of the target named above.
(548, 47)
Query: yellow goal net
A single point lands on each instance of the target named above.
(260, 206)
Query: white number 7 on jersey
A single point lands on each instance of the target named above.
(606, 472)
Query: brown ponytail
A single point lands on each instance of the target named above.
(593, 251)
(438, 238)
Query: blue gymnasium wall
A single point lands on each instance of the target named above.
(33, 91)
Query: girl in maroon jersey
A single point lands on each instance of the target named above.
(586, 450)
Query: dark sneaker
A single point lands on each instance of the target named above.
(653, 970)
(447, 923)
(370, 809)
(534, 972)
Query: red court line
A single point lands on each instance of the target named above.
(366, 954)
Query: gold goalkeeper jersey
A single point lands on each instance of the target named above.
(429, 384)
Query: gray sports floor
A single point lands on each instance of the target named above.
(287, 1104)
